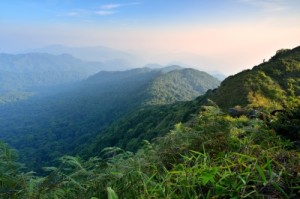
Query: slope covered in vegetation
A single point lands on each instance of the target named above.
(213, 156)
(262, 90)
(267, 85)
(46, 128)
(165, 90)
(146, 123)
(25, 75)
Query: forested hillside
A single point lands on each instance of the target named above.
(45, 128)
(28, 71)
(25, 75)
(165, 90)
(268, 85)
(266, 88)
(146, 123)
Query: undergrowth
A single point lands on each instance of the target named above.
(212, 156)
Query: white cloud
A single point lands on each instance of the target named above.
(105, 12)
(110, 6)
(133, 3)
(118, 5)
(72, 14)
(109, 9)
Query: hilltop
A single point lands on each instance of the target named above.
(267, 85)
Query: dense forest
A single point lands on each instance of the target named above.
(240, 140)
(44, 128)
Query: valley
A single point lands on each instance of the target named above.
(48, 126)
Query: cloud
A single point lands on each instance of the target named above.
(133, 3)
(105, 12)
(72, 14)
(118, 5)
(110, 6)
(109, 9)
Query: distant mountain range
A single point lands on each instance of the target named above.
(26, 71)
(21, 75)
(109, 56)
(115, 59)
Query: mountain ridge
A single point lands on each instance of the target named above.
(94, 53)
(270, 82)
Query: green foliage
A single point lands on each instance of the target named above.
(267, 85)
(111, 193)
(214, 155)
(13, 182)
(287, 121)
(166, 90)
(147, 123)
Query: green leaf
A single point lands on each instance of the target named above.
(208, 175)
(261, 173)
(111, 193)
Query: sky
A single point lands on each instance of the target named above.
(213, 35)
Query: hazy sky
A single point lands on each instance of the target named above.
(224, 35)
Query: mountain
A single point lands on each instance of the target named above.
(25, 75)
(25, 71)
(208, 153)
(109, 56)
(44, 128)
(218, 75)
(118, 108)
(268, 86)
(165, 88)
(168, 68)
(153, 65)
